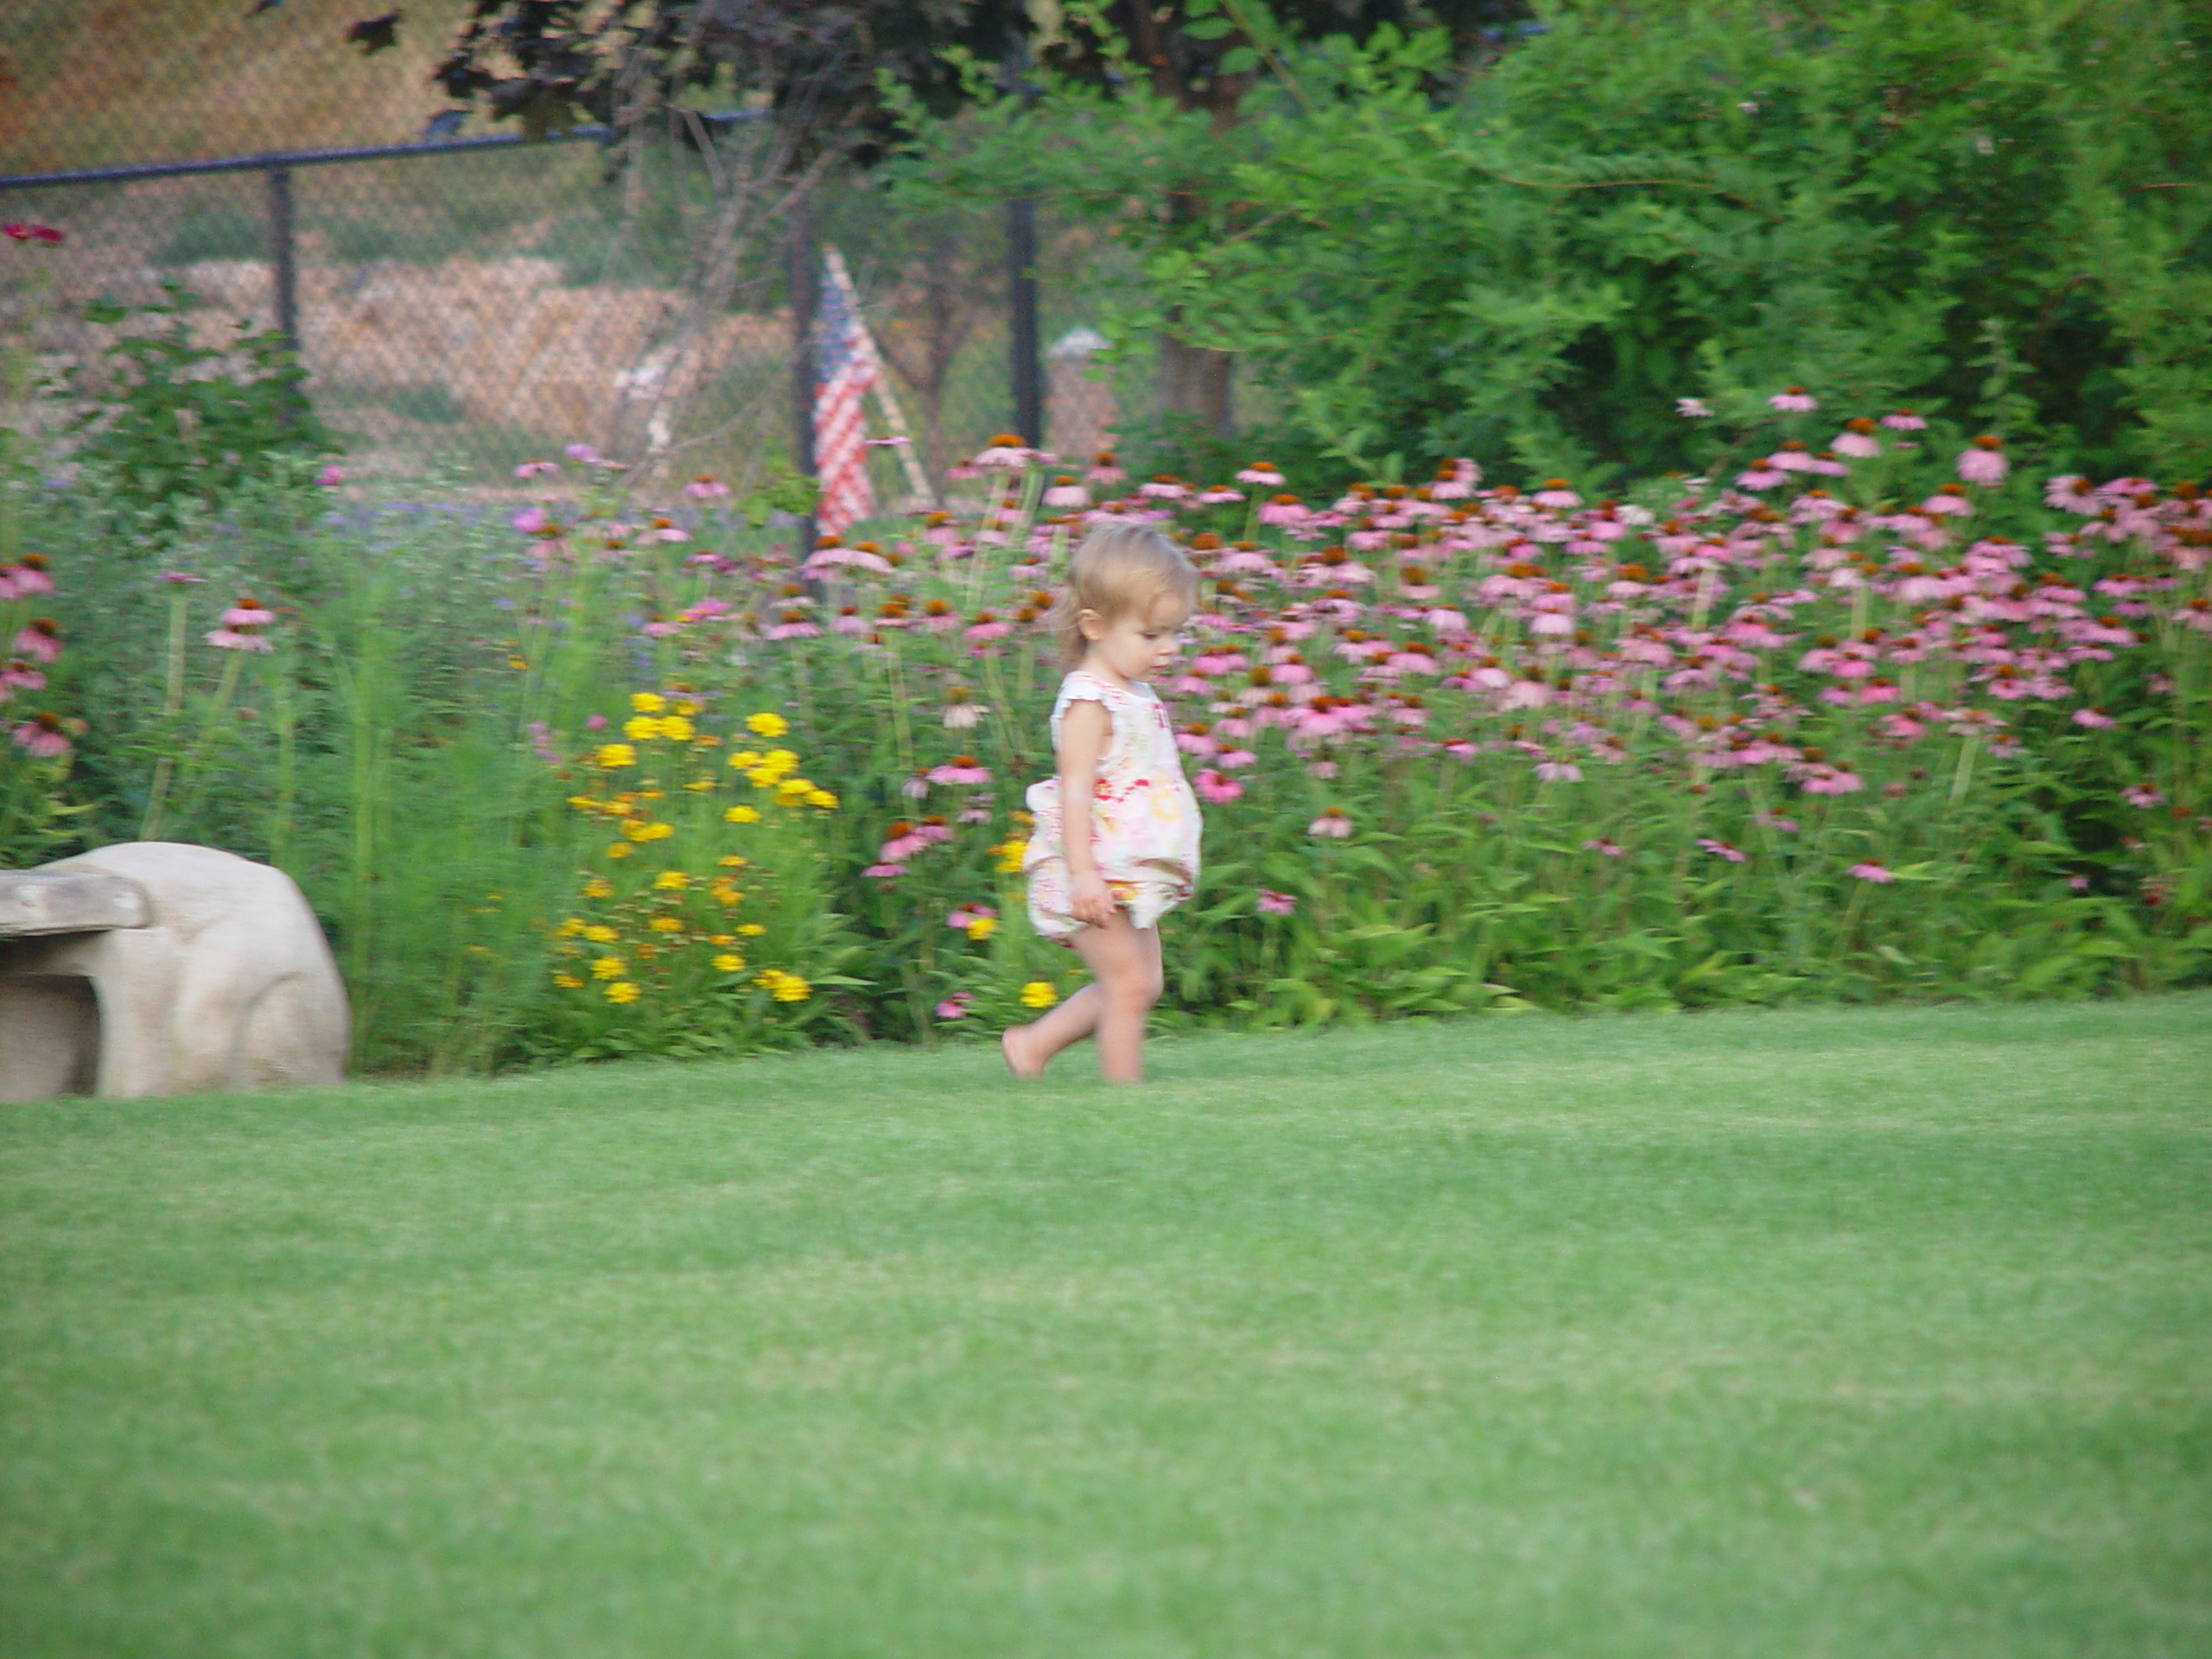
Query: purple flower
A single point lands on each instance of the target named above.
(1271, 903)
(1872, 872)
(1983, 461)
(1793, 400)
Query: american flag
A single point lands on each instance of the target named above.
(845, 372)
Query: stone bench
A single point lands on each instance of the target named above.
(156, 968)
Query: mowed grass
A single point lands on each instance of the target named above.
(1832, 1333)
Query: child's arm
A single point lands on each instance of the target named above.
(1085, 728)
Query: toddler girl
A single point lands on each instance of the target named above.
(1115, 845)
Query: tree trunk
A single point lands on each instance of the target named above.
(1194, 381)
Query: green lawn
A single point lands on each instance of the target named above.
(1844, 1334)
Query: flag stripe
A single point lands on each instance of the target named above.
(844, 375)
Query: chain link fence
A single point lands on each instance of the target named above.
(462, 306)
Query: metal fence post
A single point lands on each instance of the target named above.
(805, 282)
(284, 271)
(1026, 369)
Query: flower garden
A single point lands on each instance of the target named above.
(1865, 713)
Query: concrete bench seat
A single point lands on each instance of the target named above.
(157, 968)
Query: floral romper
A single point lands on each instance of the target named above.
(1144, 820)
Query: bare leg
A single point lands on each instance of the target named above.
(1124, 961)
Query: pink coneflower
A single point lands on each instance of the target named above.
(1983, 461)
(2092, 717)
(1268, 902)
(1217, 495)
(1235, 759)
(960, 712)
(1005, 450)
(1776, 821)
(1104, 469)
(2142, 795)
(247, 614)
(956, 1006)
(1722, 849)
(17, 675)
(237, 639)
(331, 475)
(1332, 822)
(536, 469)
(1558, 494)
(1793, 400)
(1218, 790)
(1872, 872)
(1260, 474)
(28, 578)
(1761, 477)
(582, 452)
(1559, 771)
(887, 871)
(532, 521)
(1691, 408)
(961, 770)
(1064, 492)
(1161, 487)
(181, 578)
(1857, 440)
(1284, 510)
(1903, 420)
(39, 640)
(985, 628)
(964, 916)
(706, 487)
(1604, 847)
(2072, 493)
(23, 231)
(793, 625)
(40, 737)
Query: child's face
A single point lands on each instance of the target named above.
(1141, 645)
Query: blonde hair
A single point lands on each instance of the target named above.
(1119, 571)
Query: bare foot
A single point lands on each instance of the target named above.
(1015, 1045)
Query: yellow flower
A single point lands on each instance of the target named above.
(612, 755)
(570, 929)
(785, 987)
(568, 982)
(601, 933)
(729, 962)
(793, 791)
(666, 924)
(821, 797)
(743, 814)
(731, 861)
(621, 991)
(518, 662)
(725, 894)
(699, 783)
(598, 886)
(641, 729)
(584, 803)
(609, 968)
(1037, 995)
(672, 881)
(675, 728)
(745, 758)
(767, 725)
(721, 939)
(620, 850)
(752, 930)
(982, 927)
(654, 831)
(685, 706)
(648, 703)
(1008, 854)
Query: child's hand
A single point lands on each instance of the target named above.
(1090, 900)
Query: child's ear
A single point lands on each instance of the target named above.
(1090, 625)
